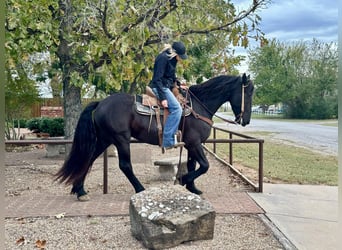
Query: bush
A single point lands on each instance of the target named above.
(318, 108)
(33, 125)
(21, 122)
(53, 126)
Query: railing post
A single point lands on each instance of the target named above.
(214, 143)
(105, 172)
(230, 149)
(261, 167)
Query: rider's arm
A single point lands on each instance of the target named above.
(158, 74)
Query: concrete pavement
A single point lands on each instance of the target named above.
(306, 214)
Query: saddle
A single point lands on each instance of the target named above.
(148, 104)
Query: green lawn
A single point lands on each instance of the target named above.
(284, 162)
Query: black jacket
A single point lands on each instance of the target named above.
(164, 73)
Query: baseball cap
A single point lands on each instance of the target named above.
(179, 47)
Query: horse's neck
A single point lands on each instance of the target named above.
(215, 92)
(208, 107)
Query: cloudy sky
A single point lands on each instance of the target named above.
(298, 20)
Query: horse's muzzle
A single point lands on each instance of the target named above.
(243, 124)
(239, 120)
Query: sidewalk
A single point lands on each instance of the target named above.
(306, 214)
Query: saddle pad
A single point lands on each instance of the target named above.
(149, 110)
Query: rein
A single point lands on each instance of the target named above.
(209, 121)
(198, 116)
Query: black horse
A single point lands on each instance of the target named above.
(114, 120)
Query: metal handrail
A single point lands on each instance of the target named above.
(214, 141)
(231, 141)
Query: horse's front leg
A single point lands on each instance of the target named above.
(191, 166)
(126, 166)
(195, 154)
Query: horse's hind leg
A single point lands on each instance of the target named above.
(126, 165)
(78, 186)
(78, 189)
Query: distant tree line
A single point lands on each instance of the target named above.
(300, 75)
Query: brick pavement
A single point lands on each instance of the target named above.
(110, 205)
(114, 204)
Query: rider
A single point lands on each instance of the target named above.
(164, 78)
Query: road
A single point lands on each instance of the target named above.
(312, 135)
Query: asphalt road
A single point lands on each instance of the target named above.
(316, 136)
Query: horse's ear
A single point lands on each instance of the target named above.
(244, 78)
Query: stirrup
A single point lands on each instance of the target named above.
(178, 140)
(178, 136)
(176, 145)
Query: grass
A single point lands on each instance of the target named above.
(283, 162)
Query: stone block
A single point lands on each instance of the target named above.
(166, 216)
(168, 168)
(52, 150)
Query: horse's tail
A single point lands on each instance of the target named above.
(78, 162)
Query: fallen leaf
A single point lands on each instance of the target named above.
(21, 241)
(60, 216)
(21, 220)
(41, 244)
(91, 238)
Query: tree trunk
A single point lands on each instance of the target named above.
(72, 94)
(72, 107)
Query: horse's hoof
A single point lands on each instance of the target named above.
(193, 189)
(179, 181)
(84, 197)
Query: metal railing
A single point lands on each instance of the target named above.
(242, 139)
(214, 141)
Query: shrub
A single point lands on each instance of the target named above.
(33, 125)
(52, 126)
(21, 122)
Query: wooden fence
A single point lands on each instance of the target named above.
(51, 102)
(45, 102)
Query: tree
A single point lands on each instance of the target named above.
(112, 44)
(21, 93)
(301, 75)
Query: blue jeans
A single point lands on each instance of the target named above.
(173, 119)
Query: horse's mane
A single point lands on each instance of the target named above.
(214, 86)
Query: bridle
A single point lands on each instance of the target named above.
(207, 120)
(237, 121)
(210, 122)
(240, 116)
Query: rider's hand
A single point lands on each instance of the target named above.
(164, 103)
(184, 86)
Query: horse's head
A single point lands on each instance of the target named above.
(242, 101)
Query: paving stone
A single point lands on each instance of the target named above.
(111, 205)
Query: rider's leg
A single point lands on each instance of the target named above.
(173, 119)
